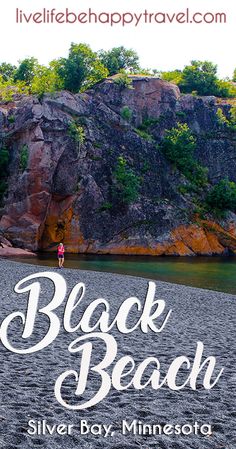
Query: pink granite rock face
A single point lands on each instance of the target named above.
(64, 190)
(15, 252)
(148, 97)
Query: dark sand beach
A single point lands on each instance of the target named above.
(27, 381)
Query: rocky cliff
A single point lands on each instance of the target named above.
(59, 188)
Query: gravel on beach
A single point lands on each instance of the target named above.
(27, 381)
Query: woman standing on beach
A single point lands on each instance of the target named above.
(60, 255)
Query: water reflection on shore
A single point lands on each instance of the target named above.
(214, 273)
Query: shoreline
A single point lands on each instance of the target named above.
(175, 271)
(92, 254)
(118, 276)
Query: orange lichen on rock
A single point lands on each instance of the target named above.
(74, 240)
(198, 240)
(62, 225)
(161, 249)
(232, 229)
(214, 243)
(225, 238)
(178, 249)
(183, 241)
(202, 238)
(131, 250)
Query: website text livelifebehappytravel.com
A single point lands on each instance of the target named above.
(124, 18)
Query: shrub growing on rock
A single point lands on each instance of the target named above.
(223, 196)
(126, 183)
(178, 145)
(24, 156)
(223, 121)
(126, 113)
(76, 133)
(123, 81)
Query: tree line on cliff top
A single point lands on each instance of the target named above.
(83, 68)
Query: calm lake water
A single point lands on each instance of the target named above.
(214, 273)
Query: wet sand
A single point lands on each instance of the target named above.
(27, 381)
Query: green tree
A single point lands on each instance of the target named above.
(81, 69)
(46, 79)
(119, 58)
(234, 76)
(223, 196)
(126, 183)
(179, 145)
(27, 70)
(7, 71)
(9, 88)
(200, 76)
(225, 89)
(174, 76)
